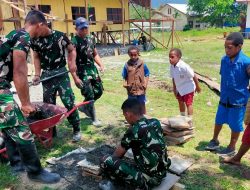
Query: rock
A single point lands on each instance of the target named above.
(179, 165)
(167, 182)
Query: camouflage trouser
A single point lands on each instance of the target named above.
(92, 89)
(12, 121)
(119, 170)
(63, 87)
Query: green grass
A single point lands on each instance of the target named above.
(203, 51)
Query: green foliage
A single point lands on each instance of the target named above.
(217, 12)
(138, 12)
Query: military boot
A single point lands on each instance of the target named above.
(33, 166)
(13, 155)
(92, 112)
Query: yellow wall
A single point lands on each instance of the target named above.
(6, 13)
(57, 9)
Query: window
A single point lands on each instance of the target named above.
(169, 11)
(191, 23)
(115, 15)
(80, 12)
(43, 8)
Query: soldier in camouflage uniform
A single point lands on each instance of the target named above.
(49, 55)
(145, 138)
(88, 79)
(19, 141)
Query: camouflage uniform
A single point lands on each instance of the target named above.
(12, 121)
(51, 50)
(145, 138)
(86, 69)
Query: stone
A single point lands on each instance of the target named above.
(178, 186)
(168, 182)
(179, 165)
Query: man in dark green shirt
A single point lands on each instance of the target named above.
(145, 138)
(18, 138)
(88, 79)
(49, 56)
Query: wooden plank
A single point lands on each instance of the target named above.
(209, 82)
(168, 182)
(179, 165)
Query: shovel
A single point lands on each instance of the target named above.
(48, 78)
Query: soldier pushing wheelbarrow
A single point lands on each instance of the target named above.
(19, 140)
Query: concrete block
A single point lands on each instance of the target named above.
(179, 165)
(167, 182)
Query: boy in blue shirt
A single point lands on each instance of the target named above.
(136, 75)
(235, 74)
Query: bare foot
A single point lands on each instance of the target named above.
(231, 160)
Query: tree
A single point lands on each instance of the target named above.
(138, 12)
(217, 12)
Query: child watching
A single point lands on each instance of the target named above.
(185, 82)
(235, 74)
(136, 75)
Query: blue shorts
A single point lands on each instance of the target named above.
(141, 98)
(234, 117)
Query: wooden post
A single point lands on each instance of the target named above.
(123, 19)
(67, 25)
(16, 14)
(172, 34)
(25, 7)
(162, 29)
(150, 21)
(86, 10)
(1, 22)
(36, 5)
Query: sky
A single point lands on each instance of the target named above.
(157, 3)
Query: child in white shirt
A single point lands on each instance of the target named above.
(185, 82)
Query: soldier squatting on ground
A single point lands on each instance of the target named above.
(145, 138)
(18, 138)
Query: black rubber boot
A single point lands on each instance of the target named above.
(92, 112)
(13, 155)
(85, 110)
(33, 166)
(54, 133)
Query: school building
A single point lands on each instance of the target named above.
(108, 15)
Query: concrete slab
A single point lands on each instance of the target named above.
(179, 165)
(168, 182)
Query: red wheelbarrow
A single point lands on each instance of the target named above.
(43, 129)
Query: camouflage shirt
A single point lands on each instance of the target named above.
(85, 57)
(15, 40)
(145, 138)
(51, 50)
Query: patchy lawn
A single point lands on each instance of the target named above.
(204, 56)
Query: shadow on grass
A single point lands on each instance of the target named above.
(240, 172)
(202, 145)
(206, 179)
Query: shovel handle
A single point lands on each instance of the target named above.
(74, 109)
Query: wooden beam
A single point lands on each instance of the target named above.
(15, 12)
(25, 7)
(147, 20)
(150, 22)
(123, 19)
(149, 34)
(87, 10)
(36, 5)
